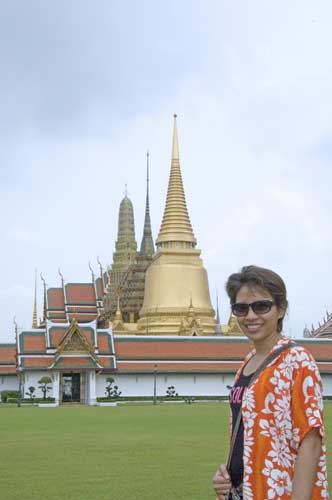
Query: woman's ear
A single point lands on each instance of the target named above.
(281, 312)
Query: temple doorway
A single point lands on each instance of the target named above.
(71, 388)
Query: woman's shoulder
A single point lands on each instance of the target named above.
(299, 358)
(294, 349)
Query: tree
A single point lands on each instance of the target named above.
(31, 392)
(112, 390)
(171, 393)
(44, 381)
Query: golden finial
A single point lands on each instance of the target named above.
(175, 148)
(34, 314)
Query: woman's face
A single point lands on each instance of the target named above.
(258, 327)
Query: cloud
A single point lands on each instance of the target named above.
(16, 291)
(23, 235)
(87, 91)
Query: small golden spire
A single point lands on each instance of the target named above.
(34, 314)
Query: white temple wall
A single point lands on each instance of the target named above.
(142, 384)
(9, 383)
(184, 384)
(327, 384)
(31, 379)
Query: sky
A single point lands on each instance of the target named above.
(87, 88)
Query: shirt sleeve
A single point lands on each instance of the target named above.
(306, 397)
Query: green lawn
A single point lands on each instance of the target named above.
(145, 452)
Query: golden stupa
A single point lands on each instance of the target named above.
(176, 298)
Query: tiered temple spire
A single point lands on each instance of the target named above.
(176, 227)
(176, 276)
(125, 246)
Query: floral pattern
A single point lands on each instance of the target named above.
(281, 406)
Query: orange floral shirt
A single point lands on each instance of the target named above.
(278, 410)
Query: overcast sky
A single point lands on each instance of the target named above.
(87, 87)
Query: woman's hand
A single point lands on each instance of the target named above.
(221, 482)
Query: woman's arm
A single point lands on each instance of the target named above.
(306, 466)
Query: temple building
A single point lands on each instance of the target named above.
(324, 329)
(146, 292)
(147, 319)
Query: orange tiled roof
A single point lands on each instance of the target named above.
(75, 362)
(179, 348)
(55, 298)
(7, 369)
(106, 362)
(179, 367)
(42, 362)
(7, 353)
(104, 342)
(32, 341)
(80, 293)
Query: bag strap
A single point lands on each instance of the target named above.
(274, 354)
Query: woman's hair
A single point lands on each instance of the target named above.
(254, 276)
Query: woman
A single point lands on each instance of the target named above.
(279, 450)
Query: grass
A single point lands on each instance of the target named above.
(141, 452)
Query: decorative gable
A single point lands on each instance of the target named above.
(74, 341)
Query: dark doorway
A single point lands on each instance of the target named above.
(71, 388)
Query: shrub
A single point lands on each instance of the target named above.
(171, 392)
(44, 381)
(30, 393)
(112, 391)
(9, 394)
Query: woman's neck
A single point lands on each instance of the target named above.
(264, 346)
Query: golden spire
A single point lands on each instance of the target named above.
(176, 226)
(34, 315)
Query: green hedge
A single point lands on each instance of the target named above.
(37, 400)
(11, 401)
(9, 394)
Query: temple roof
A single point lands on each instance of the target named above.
(63, 346)
(325, 329)
(7, 359)
(198, 354)
(176, 226)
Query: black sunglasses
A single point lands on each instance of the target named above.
(258, 307)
